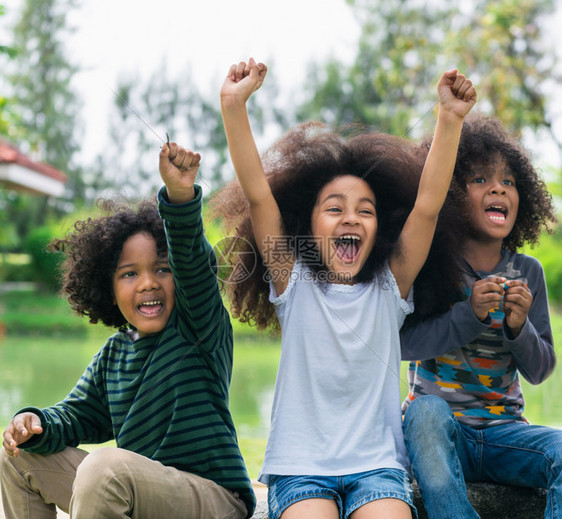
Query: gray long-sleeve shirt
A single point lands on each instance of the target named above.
(475, 365)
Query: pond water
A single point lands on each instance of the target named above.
(40, 371)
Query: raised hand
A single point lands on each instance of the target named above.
(457, 95)
(178, 168)
(21, 429)
(242, 81)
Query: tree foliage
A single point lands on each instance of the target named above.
(405, 45)
(44, 98)
(146, 110)
(6, 115)
(503, 43)
(42, 109)
(399, 49)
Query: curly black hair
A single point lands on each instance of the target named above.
(297, 167)
(483, 141)
(92, 250)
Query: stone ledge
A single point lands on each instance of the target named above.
(493, 501)
(490, 500)
(261, 510)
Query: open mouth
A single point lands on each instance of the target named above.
(150, 308)
(496, 213)
(348, 247)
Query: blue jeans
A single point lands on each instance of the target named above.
(350, 492)
(444, 454)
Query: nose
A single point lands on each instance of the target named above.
(497, 187)
(350, 218)
(147, 281)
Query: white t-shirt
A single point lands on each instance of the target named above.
(336, 408)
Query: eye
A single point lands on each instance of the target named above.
(333, 210)
(478, 180)
(128, 274)
(367, 211)
(509, 182)
(165, 270)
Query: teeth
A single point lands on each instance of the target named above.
(150, 303)
(349, 237)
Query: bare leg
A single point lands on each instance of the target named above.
(382, 509)
(312, 509)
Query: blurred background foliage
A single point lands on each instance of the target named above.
(403, 47)
(387, 85)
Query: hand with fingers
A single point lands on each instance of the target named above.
(516, 305)
(486, 295)
(21, 429)
(457, 95)
(242, 81)
(178, 168)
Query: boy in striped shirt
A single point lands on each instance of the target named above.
(158, 387)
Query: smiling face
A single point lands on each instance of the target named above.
(344, 223)
(143, 285)
(493, 201)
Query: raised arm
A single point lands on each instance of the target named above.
(202, 317)
(456, 97)
(242, 80)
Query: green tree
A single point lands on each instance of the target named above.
(45, 101)
(145, 110)
(6, 116)
(404, 45)
(7, 230)
(502, 42)
(42, 108)
(399, 54)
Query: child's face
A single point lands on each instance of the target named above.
(143, 285)
(493, 201)
(344, 222)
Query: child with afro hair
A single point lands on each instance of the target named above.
(158, 387)
(481, 321)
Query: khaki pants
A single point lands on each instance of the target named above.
(108, 483)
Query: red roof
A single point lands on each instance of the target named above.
(10, 154)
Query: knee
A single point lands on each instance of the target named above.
(99, 468)
(103, 484)
(427, 411)
(554, 454)
(427, 418)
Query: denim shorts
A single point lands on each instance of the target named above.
(349, 492)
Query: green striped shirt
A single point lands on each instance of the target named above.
(164, 396)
